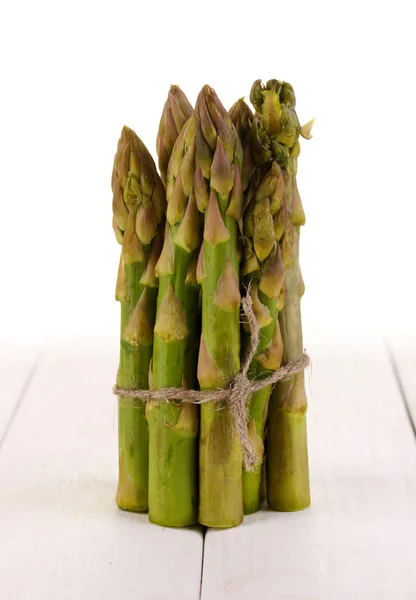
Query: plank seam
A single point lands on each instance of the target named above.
(23, 391)
(397, 376)
(204, 533)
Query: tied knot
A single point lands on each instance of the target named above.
(240, 390)
(240, 394)
(237, 395)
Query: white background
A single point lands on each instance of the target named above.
(73, 73)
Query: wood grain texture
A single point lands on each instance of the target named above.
(356, 542)
(62, 535)
(17, 365)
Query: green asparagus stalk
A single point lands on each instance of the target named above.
(176, 112)
(219, 196)
(243, 119)
(173, 427)
(263, 269)
(287, 453)
(138, 211)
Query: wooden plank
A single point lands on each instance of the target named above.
(403, 353)
(62, 534)
(17, 365)
(357, 539)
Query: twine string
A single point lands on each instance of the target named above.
(237, 395)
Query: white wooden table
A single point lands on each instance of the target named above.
(62, 536)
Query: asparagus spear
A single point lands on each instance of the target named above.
(176, 112)
(219, 159)
(138, 210)
(287, 453)
(173, 427)
(263, 269)
(242, 117)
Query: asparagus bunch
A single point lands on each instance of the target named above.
(138, 212)
(287, 455)
(214, 167)
(173, 427)
(219, 196)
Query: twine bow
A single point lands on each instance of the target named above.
(237, 395)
